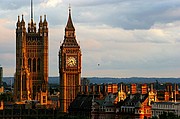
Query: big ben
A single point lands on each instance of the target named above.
(69, 66)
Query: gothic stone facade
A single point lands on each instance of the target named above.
(31, 77)
(69, 66)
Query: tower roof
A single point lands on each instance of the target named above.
(69, 22)
(70, 37)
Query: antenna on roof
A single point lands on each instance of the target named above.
(31, 9)
(69, 8)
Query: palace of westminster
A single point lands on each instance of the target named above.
(31, 76)
(76, 97)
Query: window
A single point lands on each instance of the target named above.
(38, 65)
(29, 63)
(44, 99)
(24, 83)
(38, 88)
(23, 61)
(34, 65)
(20, 61)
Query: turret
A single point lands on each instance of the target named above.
(31, 27)
(40, 26)
(45, 26)
(18, 24)
(22, 22)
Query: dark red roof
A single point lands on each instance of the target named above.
(70, 23)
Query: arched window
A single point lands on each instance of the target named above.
(34, 91)
(20, 62)
(39, 88)
(38, 65)
(23, 61)
(34, 65)
(29, 64)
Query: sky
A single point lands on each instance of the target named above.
(118, 38)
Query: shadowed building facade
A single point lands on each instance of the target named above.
(31, 77)
(69, 66)
(1, 75)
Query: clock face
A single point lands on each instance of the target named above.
(71, 61)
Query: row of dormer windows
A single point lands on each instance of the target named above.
(164, 106)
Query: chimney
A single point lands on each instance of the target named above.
(92, 88)
(151, 87)
(169, 87)
(81, 89)
(144, 89)
(104, 89)
(109, 89)
(86, 89)
(114, 88)
(126, 88)
(176, 88)
(133, 88)
(98, 88)
(166, 96)
(176, 91)
(121, 87)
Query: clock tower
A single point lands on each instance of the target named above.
(69, 66)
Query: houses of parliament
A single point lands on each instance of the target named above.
(31, 76)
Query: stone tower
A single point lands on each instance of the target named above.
(31, 77)
(69, 66)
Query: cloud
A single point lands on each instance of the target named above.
(7, 47)
(129, 14)
(83, 3)
(120, 49)
(17, 4)
(126, 37)
(51, 3)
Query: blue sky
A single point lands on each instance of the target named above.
(128, 38)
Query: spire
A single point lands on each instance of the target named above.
(41, 19)
(45, 21)
(22, 18)
(70, 37)
(18, 18)
(45, 18)
(18, 23)
(31, 9)
(69, 23)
